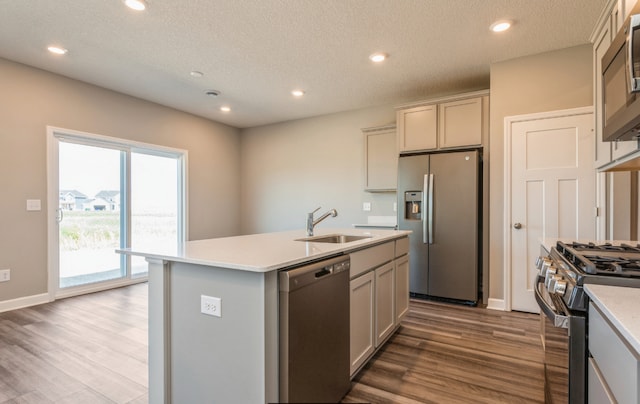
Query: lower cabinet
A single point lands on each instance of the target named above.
(614, 369)
(362, 305)
(402, 288)
(379, 298)
(385, 302)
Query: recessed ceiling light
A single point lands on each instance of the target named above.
(378, 57)
(137, 5)
(57, 50)
(196, 73)
(500, 26)
(225, 109)
(297, 93)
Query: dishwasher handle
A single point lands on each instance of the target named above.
(297, 278)
(324, 272)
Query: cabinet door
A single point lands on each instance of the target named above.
(460, 123)
(362, 320)
(381, 160)
(417, 128)
(600, 46)
(402, 288)
(385, 302)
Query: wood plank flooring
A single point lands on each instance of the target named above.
(446, 353)
(85, 349)
(93, 349)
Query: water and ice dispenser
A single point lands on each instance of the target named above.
(413, 205)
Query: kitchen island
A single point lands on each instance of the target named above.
(232, 358)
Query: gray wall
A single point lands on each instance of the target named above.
(546, 82)
(291, 168)
(31, 99)
(286, 169)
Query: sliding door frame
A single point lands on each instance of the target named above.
(56, 135)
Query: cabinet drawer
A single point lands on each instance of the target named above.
(598, 389)
(364, 260)
(402, 247)
(618, 365)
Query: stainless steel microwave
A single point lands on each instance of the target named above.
(621, 82)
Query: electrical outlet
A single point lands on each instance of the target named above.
(366, 206)
(5, 275)
(211, 306)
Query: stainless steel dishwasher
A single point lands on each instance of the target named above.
(314, 332)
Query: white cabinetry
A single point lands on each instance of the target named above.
(385, 301)
(380, 158)
(460, 123)
(614, 369)
(361, 344)
(417, 128)
(402, 288)
(600, 46)
(445, 123)
(379, 297)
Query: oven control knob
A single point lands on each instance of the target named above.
(553, 280)
(542, 263)
(551, 271)
(560, 287)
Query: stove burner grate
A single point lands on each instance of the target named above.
(603, 247)
(617, 265)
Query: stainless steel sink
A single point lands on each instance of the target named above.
(333, 238)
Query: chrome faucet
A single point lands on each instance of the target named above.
(311, 223)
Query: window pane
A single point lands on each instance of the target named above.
(154, 205)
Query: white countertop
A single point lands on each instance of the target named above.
(263, 252)
(621, 306)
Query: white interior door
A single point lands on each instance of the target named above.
(552, 190)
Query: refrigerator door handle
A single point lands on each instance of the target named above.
(425, 196)
(430, 210)
(427, 220)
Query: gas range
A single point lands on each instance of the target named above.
(559, 292)
(571, 265)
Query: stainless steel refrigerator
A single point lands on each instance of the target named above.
(439, 200)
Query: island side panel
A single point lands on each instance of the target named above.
(225, 359)
(159, 298)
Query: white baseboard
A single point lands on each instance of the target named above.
(496, 304)
(22, 302)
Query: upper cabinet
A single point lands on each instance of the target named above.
(417, 128)
(380, 159)
(460, 123)
(447, 123)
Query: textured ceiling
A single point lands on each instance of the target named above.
(256, 51)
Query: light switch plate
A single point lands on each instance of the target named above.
(34, 205)
(366, 206)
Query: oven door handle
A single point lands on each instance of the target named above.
(558, 320)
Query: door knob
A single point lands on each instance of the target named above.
(517, 226)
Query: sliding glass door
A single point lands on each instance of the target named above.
(154, 204)
(90, 214)
(109, 194)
